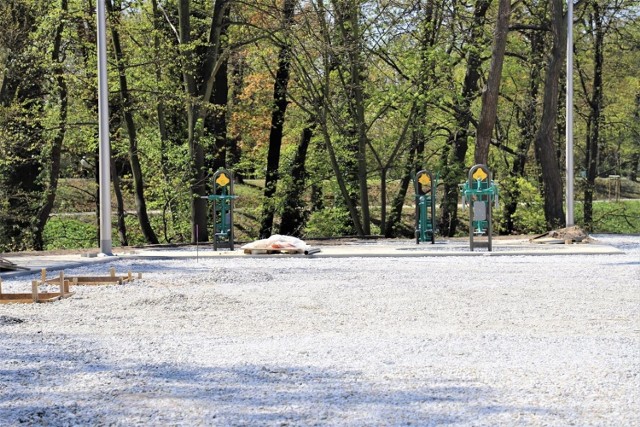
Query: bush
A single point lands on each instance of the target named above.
(529, 216)
(70, 233)
(328, 222)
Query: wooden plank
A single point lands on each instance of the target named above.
(83, 282)
(111, 279)
(34, 290)
(273, 251)
(28, 298)
(11, 297)
(49, 297)
(36, 295)
(97, 279)
(549, 241)
(16, 299)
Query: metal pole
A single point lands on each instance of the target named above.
(104, 149)
(569, 118)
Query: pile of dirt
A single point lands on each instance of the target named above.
(572, 234)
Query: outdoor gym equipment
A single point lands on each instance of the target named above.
(425, 187)
(480, 193)
(222, 198)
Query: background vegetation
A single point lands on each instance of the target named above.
(323, 109)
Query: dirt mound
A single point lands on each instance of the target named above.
(567, 234)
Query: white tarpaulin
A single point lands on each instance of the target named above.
(277, 242)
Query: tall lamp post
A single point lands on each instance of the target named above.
(104, 149)
(569, 117)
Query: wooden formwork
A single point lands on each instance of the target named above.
(35, 295)
(64, 283)
(111, 279)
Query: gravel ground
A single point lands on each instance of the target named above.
(462, 341)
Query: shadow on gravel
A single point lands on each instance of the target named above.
(623, 263)
(43, 385)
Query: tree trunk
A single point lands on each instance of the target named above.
(120, 212)
(388, 224)
(56, 146)
(359, 98)
(545, 139)
(347, 15)
(395, 216)
(21, 93)
(196, 153)
(527, 121)
(161, 111)
(383, 199)
(635, 158)
(116, 167)
(199, 76)
(453, 167)
(428, 79)
(293, 215)
(234, 153)
(216, 121)
(596, 105)
(277, 122)
(134, 160)
(411, 166)
(340, 177)
(491, 92)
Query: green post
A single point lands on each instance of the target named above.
(425, 188)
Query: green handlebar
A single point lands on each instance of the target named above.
(219, 197)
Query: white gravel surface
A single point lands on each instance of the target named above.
(462, 341)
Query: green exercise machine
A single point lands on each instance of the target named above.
(222, 211)
(480, 193)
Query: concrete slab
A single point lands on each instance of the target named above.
(36, 262)
(365, 248)
(397, 251)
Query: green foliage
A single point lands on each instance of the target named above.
(529, 216)
(70, 233)
(621, 217)
(327, 222)
(80, 231)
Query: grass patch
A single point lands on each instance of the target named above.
(622, 217)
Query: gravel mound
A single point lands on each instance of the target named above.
(462, 341)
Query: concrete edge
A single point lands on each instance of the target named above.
(58, 267)
(385, 253)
